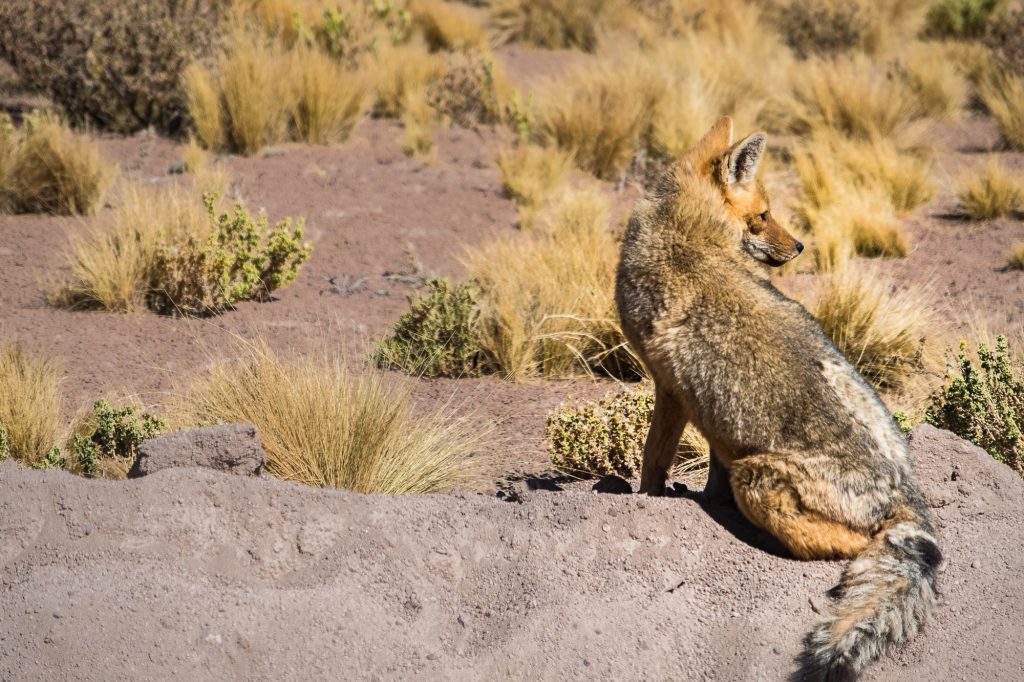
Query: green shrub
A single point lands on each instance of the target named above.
(466, 95)
(241, 260)
(54, 459)
(113, 65)
(985, 403)
(607, 437)
(959, 18)
(816, 27)
(437, 337)
(113, 433)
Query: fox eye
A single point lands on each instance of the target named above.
(764, 216)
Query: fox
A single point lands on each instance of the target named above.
(800, 442)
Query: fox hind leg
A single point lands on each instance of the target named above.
(667, 424)
(764, 493)
(717, 490)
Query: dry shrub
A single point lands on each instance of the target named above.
(851, 95)
(111, 264)
(823, 26)
(875, 324)
(467, 94)
(325, 426)
(447, 26)
(327, 99)
(555, 23)
(962, 19)
(48, 168)
(530, 174)
(401, 73)
(1002, 92)
(993, 192)
(547, 297)
(1016, 259)
(932, 75)
(1003, 38)
(30, 404)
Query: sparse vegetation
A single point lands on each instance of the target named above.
(962, 19)
(47, 168)
(984, 402)
(991, 193)
(466, 95)
(109, 439)
(606, 437)
(438, 336)
(878, 327)
(324, 425)
(823, 27)
(30, 404)
(554, 23)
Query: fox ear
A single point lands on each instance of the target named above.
(719, 137)
(745, 157)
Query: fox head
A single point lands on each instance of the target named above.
(732, 169)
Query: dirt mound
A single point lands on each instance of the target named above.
(188, 573)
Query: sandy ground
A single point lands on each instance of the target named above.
(192, 574)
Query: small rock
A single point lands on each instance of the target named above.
(212, 638)
(88, 528)
(815, 606)
(776, 650)
(464, 619)
(606, 528)
(976, 563)
(233, 448)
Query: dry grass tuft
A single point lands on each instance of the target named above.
(546, 299)
(1003, 95)
(930, 72)
(111, 264)
(48, 168)
(993, 192)
(30, 404)
(254, 83)
(325, 426)
(205, 107)
(447, 26)
(877, 326)
(530, 175)
(419, 122)
(556, 24)
(400, 73)
(327, 99)
(1016, 259)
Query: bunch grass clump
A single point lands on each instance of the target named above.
(327, 100)
(30, 404)
(447, 26)
(438, 336)
(530, 175)
(323, 425)
(48, 168)
(401, 74)
(555, 24)
(1002, 93)
(993, 192)
(1016, 259)
(823, 27)
(984, 402)
(878, 327)
(606, 437)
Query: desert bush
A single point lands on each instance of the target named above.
(991, 193)
(1002, 92)
(402, 74)
(963, 19)
(530, 174)
(109, 439)
(554, 23)
(47, 168)
(1016, 259)
(547, 296)
(466, 95)
(323, 425)
(606, 437)
(984, 403)
(446, 26)
(327, 100)
(877, 326)
(815, 27)
(242, 259)
(30, 404)
(438, 336)
(114, 66)
(111, 264)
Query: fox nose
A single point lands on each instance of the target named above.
(799, 247)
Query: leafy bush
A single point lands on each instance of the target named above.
(113, 433)
(466, 94)
(992, 193)
(54, 459)
(437, 337)
(47, 168)
(984, 403)
(817, 27)
(116, 66)
(607, 437)
(240, 260)
(961, 19)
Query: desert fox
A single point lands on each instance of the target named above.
(799, 439)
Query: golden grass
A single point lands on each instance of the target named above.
(110, 264)
(547, 297)
(932, 75)
(327, 100)
(1003, 95)
(1016, 259)
(530, 174)
(48, 168)
(448, 26)
(30, 403)
(600, 114)
(993, 192)
(556, 23)
(254, 87)
(401, 72)
(206, 175)
(419, 123)
(204, 106)
(851, 95)
(325, 426)
(878, 326)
